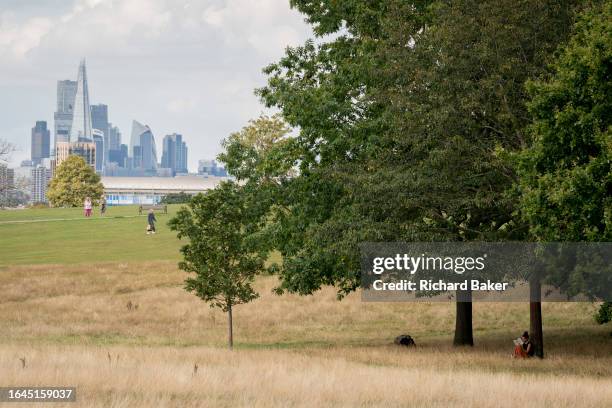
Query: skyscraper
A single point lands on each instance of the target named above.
(41, 141)
(142, 147)
(40, 180)
(114, 137)
(99, 120)
(66, 91)
(174, 155)
(81, 116)
(98, 139)
(119, 156)
(7, 182)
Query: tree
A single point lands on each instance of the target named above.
(5, 149)
(565, 173)
(221, 254)
(74, 181)
(604, 315)
(401, 117)
(176, 198)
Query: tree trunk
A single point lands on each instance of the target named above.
(230, 339)
(463, 319)
(535, 317)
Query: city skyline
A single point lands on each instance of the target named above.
(183, 67)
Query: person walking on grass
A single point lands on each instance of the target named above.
(102, 205)
(87, 207)
(151, 220)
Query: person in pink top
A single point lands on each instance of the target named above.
(87, 206)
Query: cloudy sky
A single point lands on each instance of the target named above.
(185, 66)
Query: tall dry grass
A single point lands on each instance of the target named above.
(164, 377)
(292, 351)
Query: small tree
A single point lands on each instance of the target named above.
(221, 254)
(74, 180)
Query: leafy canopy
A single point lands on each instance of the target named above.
(74, 181)
(566, 173)
(402, 114)
(219, 255)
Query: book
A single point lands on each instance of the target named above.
(518, 342)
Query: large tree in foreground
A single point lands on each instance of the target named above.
(566, 173)
(73, 181)
(220, 254)
(400, 118)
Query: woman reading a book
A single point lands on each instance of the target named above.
(523, 347)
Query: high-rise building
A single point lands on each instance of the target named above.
(142, 148)
(99, 120)
(114, 137)
(174, 155)
(98, 139)
(86, 150)
(41, 142)
(81, 116)
(39, 181)
(7, 182)
(119, 156)
(66, 91)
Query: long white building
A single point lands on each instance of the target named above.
(150, 190)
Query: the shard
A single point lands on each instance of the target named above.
(81, 119)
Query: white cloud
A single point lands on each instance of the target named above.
(182, 105)
(17, 39)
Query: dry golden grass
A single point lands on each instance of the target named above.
(164, 377)
(291, 350)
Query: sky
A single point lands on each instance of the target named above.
(179, 66)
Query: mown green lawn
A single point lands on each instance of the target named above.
(64, 235)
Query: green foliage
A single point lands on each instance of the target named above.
(566, 178)
(405, 117)
(74, 181)
(604, 315)
(261, 151)
(176, 198)
(220, 255)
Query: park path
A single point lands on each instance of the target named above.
(68, 219)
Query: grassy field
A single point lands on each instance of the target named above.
(126, 334)
(65, 236)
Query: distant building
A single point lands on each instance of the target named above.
(98, 140)
(41, 142)
(66, 91)
(165, 172)
(40, 177)
(143, 152)
(7, 182)
(119, 156)
(86, 150)
(114, 138)
(81, 128)
(211, 168)
(99, 120)
(150, 190)
(174, 156)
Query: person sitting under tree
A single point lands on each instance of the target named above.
(523, 348)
